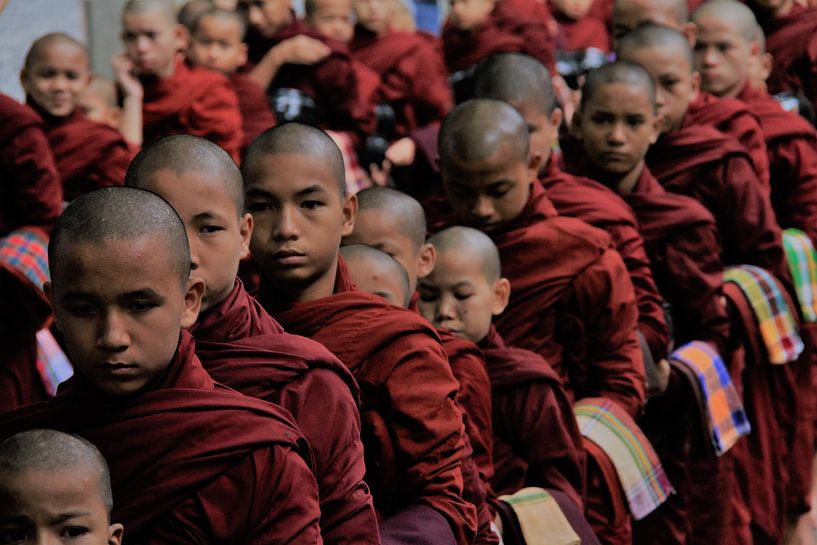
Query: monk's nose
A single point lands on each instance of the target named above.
(113, 335)
(287, 228)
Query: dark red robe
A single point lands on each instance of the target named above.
(591, 202)
(193, 101)
(514, 26)
(243, 347)
(256, 115)
(30, 187)
(572, 302)
(412, 427)
(249, 481)
(585, 33)
(413, 77)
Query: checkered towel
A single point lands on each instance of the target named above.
(723, 411)
(772, 313)
(26, 250)
(52, 363)
(803, 266)
(642, 478)
(540, 518)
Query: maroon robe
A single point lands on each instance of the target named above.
(588, 32)
(536, 438)
(514, 26)
(193, 101)
(256, 115)
(248, 482)
(412, 427)
(243, 347)
(30, 190)
(572, 302)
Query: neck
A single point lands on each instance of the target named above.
(323, 286)
(623, 184)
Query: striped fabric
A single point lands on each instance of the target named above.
(802, 260)
(723, 411)
(540, 518)
(52, 363)
(642, 478)
(26, 250)
(357, 177)
(772, 314)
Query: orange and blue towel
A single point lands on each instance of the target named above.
(724, 414)
(772, 313)
(642, 477)
(802, 260)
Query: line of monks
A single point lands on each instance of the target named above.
(271, 285)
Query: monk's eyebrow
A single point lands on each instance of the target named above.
(255, 192)
(59, 519)
(314, 188)
(206, 216)
(145, 293)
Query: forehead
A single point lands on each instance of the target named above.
(458, 265)
(641, 11)
(63, 52)
(504, 159)
(214, 24)
(333, 5)
(657, 60)
(54, 492)
(283, 174)
(621, 98)
(378, 225)
(192, 191)
(153, 19)
(713, 27)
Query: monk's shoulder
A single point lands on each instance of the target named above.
(15, 117)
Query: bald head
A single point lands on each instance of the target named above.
(295, 139)
(630, 14)
(735, 14)
(39, 48)
(181, 154)
(139, 7)
(480, 129)
(467, 241)
(407, 212)
(651, 36)
(191, 11)
(212, 12)
(624, 72)
(515, 78)
(52, 451)
(119, 214)
(377, 272)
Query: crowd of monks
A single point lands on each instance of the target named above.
(332, 279)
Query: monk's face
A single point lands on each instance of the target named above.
(300, 217)
(617, 126)
(676, 83)
(457, 296)
(334, 19)
(372, 278)
(373, 15)
(267, 17)
(120, 305)
(96, 108)
(628, 15)
(722, 56)
(217, 45)
(488, 193)
(572, 9)
(57, 77)
(777, 7)
(543, 128)
(469, 15)
(219, 234)
(39, 506)
(152, 39)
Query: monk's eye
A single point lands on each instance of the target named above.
(83, 311)
(12, 535)
(210, 229)
(258, 207)
(72, 75)
(73, 532)
(635, 121)
(311, 205)
(138, 307)
(462, 296)
(428, 296)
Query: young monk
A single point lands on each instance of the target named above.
(334, 19)
(177, 99)
(32, 192)
(374, 271)
(99, 102)
(218, 44)
(55, 487)
(578, 29)
(244, 348)
(295, 192)
(122, 292)
(89, 155)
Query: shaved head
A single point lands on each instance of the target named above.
(377, 272)
(41, 45)
(52, 451)
(468, 241)
(624, 72)
(184, 153)
(165, 7)
(405, 209)
(736, 14)
(119, 214)
(191, 11)
(480, 129)
(517, 78)
(220, 14)
(652, 36)
(296, 139)
(674, 11)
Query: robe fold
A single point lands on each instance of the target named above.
(30, 190)
(572, 302)
(536, 438)
(588, 32)
(193, 101)
(256, 115)
(243, 347)
(250, 481)
(413, 77)
(412, 427)
(514, 26)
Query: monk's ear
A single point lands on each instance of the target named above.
(502, 294)
(349, 214)
(690, 31)
(243, 54)
(245, 231)
(192, 302)
(766, 64)
(181, 37)
(534, 163)
(556, 118)
(426, 260)
(115, 532)
(696, 83)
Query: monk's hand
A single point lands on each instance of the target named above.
(806, 3)
(125, 73)
(380, 175)
(402, 152)
(302, 49)
(663, 369)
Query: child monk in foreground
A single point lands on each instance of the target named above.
(53, 487)
(243, 347)
(413, 437)
(89, 155)
(177, 98)
(122, 293)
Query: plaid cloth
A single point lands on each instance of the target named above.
(357, 179)
(26, 251)
(540, 518)
(52, 363)
(642, 478)
(802, 261)
(723, 411)
(774, 319)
